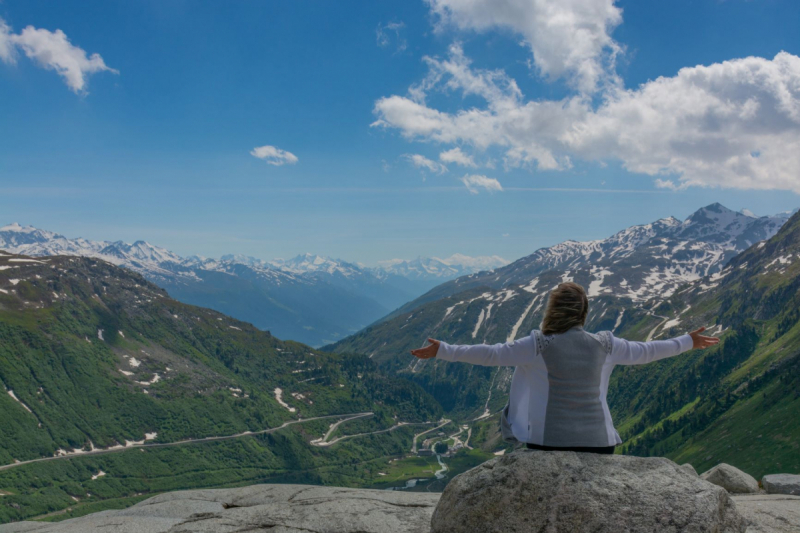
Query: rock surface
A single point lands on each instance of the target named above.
(302, 508)
(731, 479)
(689, 468)
(781, 484)
(256, 509)
(569, 492)
(768, 513)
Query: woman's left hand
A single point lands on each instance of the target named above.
(701, 341)
(428, 351)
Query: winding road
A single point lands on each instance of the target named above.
(653, 331)
(117, 449)
(324, 440)
(414, 445)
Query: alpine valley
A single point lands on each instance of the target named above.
(111, 391)
(115, 391)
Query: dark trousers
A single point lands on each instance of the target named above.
(608, 450)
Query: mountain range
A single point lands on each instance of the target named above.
(94, 357)
(639, 262)
(310, 298)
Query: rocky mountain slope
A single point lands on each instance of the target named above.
(310, 298)
(741, 400)
(637, 263)
(95, 360)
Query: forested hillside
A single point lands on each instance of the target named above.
(738, 402)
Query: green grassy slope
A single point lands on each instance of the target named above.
(739, 402)
(81, 344)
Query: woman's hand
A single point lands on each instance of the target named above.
(701, 341)
(427, 352)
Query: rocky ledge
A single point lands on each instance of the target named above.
(525, 491)
(568, 492)
(257, 509)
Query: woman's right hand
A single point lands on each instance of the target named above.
(427, 352)
(701, 341)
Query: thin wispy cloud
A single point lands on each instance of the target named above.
(423, 163)
(273, 155)
(51, 51)
(476, 182)
(390, 35)
(457, 157)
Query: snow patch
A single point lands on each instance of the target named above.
(619, 320)
(513, 335)
(478, 324)
(279, 398)
(597, 283)
(156, 379)
(14, 396)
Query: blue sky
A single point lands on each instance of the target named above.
(561, 132)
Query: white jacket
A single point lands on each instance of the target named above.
(558, 392)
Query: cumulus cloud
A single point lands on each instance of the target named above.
(569, 39)
(476, 181)
(52, 51)
(389, 33)
(422, 162)
(274, 156)
(455, 155)
(730, 124)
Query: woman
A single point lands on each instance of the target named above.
(558, 392)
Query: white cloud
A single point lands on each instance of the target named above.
(732, 124)
(52, 51)
(6, 45)
(274, 156)
(385, 34)
(568, 38)
(422, 162)
(476, 181)
(455, 155)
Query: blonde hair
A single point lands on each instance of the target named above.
(567, 307)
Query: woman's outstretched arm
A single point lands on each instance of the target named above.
(514, 353)
(625, 352)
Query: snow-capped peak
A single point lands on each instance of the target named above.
(141, 251)
(16, 228)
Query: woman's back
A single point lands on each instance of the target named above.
(574, 362)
